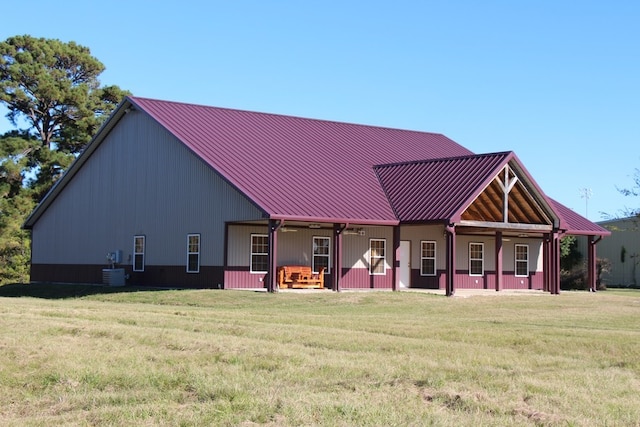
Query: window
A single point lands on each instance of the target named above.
(377, 256)
(193, 253)
(259, 253)
(321, 254)
(428, 258)
(522, 260)
(476, 259)
(138, 253)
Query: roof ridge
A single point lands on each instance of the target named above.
(443, 159)
(262, 113)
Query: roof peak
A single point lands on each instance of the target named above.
(447, 159)
(277, 115)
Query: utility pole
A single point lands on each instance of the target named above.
(586, 194)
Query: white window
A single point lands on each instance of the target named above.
(377, 256)
(427, 258)
(321, 254)
(522, 260)
(259, 253)
(476, 259)
(138, 253)
(193, 253)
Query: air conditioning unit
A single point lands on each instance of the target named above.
(113, 276)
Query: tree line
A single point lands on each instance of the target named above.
(55, 103)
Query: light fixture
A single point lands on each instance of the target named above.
(354, 231)
(288, 230)
(315, 226)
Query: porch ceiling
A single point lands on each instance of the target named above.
(489, 206)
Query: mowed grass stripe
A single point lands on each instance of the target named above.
(353, 358)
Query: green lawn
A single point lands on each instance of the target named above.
(106, 356)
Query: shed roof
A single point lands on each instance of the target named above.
(574, 223)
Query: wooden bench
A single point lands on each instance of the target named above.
(299, 277)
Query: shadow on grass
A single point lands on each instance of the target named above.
(63, 291)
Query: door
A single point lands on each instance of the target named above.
(405, 264)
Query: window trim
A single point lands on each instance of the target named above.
(383, 257)
(314, 255)
(189, 253)
(476, 259)
(516, 260)
(435, 268)
(141, 254)
(251, 270)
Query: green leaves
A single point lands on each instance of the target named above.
(54, 88)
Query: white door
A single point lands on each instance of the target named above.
(405, 263)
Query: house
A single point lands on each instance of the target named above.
(622, 250)
(196, 196)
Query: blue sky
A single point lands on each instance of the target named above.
(557, 82)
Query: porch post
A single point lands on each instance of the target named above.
(499, 260)
(272, 283)
(396, 258)
(337, 256)
(546, 264)
(555, 261)
(451, 260)
(591, 264)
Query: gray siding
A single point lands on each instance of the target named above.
(624, 233)
(140, 180)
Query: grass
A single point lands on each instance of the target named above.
(75, 355)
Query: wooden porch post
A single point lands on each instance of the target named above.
(499, 260)
(396, 258)
(337, 256)
(451, 260)
(272, 285)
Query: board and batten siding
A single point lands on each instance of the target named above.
(140, 181)
(296, 248)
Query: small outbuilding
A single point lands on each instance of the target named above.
(186, 195)
(620, 252)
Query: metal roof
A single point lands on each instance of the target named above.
(437, 190)
(296, 168)
(575, 223)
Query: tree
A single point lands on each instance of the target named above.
(633, 191)
(52, 88)
(15, 204)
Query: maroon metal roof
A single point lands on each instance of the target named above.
(437, 190)
(575, 223)
(306, 169)
(296, 168)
